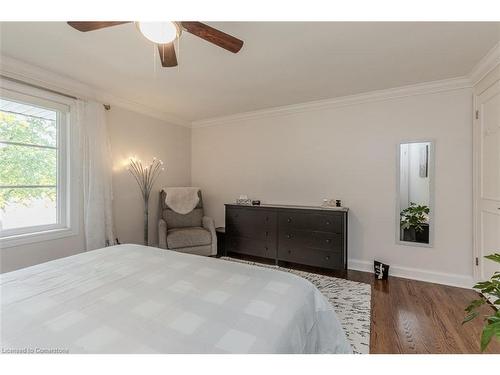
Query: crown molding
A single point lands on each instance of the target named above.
(32, 74)
(28, 73)
(367, 97)
(485, 65)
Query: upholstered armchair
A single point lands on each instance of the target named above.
(191, 233)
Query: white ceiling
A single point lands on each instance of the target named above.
(280, 63)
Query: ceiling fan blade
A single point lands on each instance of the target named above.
(212, 35)
(167, 55)
(91, 26)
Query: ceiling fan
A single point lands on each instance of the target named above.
(165, 33)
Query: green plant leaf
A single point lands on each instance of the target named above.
(491, 326)
(470, 316)
(491, 330)
(494, 257)
(486, 336)
(474, 305)
(482, 284)
(488, 289)
(414, 216)
(493, 319)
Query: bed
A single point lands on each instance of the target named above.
(138, 299)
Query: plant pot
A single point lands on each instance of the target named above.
(423, 236)
(408, 234)
(411, 235)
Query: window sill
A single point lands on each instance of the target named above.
(48, 235)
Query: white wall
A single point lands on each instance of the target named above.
(132, 133)
(347, 153)
(350, 153)
(15, 257)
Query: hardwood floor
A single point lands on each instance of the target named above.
(410, 316)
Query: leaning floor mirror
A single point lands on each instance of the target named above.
(415, 200)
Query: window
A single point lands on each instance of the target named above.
(34, 165)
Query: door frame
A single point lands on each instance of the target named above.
(485, 83)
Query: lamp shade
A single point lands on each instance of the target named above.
(159, 32)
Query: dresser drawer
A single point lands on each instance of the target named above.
(332, 222)
(303, 235)
(248, 222)
(311, 239)
(251, 246)
(312, 257)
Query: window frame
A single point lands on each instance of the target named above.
(67, 177)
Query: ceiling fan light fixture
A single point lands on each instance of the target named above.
(159, 32)
(163, 34)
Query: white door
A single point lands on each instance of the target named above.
(487, 176)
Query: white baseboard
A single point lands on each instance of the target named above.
(416, 274)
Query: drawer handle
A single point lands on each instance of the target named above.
(289, 236)
(327, 222)
(266, 248)
(327, 257)
(289, 220)
(267, 233)
(328, 240)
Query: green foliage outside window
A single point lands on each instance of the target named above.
(22, 165)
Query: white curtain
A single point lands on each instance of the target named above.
(97, 169)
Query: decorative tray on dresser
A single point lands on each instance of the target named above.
(313, 236)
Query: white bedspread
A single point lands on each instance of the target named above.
(137, 299)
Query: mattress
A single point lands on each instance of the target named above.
(138, 299)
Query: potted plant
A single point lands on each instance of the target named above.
(492, 322)
(414, 223)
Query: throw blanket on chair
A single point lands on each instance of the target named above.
(182, 200)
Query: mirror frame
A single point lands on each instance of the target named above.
(432, 147)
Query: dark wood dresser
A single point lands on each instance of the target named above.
(312, 236)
